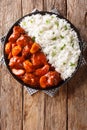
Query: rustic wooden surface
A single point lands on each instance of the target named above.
(65, 111)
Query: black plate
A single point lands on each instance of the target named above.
(7, 61)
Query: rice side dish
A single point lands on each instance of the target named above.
(58, 41)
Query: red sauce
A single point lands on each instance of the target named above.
(28, 62)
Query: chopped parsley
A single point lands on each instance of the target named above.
(65, 27)
(41, 31)
(53, 53)
(31, 21)
(54, 38)
(52, 17)
(63, 47)
(57, 24)
(72, 39)
(72, 64)
(24, 23)
(61, 36)
(64, 63)
(47, 21)
(33, 38)
(54, 47)
(72, 44)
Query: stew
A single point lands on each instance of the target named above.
(28, 62)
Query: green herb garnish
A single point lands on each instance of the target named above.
(61, 36)
(53, 53)
(41, 31)
(64, 63)
(33, 38)
(72, 44)
(72, 64)
(31, 21)
(72, 39)
(47, 21)
(62, 47)
(57, 24)
(54, 38)
(24, 23)
(52, 16)
(54, 47)
(65, 27)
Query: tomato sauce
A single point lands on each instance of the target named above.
(28, 62)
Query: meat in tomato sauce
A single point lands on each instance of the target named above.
(28, 62)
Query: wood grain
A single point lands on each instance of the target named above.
(11, 92)
(77, 89)
(77, 13)
(55, 111)
(29, 5)
(60, 5)
(33, 111)
(67, 110)
(77, 101)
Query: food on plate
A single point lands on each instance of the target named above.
(8, 48)
(28, 66)
(18, 72)
(35, 47)
(17, 31)
(28, 62)
(16, 50)
(58, 40)
(43, 50)
(51, 78)
(38, 59)
(42, 71)
(31, 79)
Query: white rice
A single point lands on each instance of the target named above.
(58, 41)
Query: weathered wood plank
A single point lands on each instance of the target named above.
(33, 110)
(56, 108)
(59, 4)
(11, 92)
(55, 111)
(77, 89)
(77, 13)
(77, 101)
(29, 5)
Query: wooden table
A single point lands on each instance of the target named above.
(65, 111)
